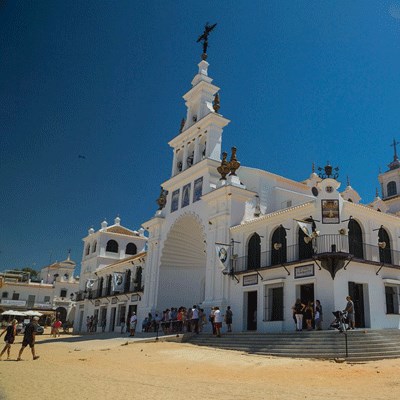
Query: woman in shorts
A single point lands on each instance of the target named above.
(10, 332)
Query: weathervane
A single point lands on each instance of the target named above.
(328, 172)
(204, 38)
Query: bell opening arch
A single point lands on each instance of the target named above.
(183, 264)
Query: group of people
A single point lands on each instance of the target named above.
(29, 338)
(313, 316)
(91, 324)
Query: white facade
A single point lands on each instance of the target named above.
(53, 294)
(353, 249)
(357, 250)
(111, 249)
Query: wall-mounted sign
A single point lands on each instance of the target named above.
(114, 300)
(17, 303)
(97, 303)
(134, 298)
(304, 271)
(249, 280)
(330, 211)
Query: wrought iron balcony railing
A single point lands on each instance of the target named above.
(321, 245)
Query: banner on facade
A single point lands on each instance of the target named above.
(118, 281)
(222, 256)
(90, 284)
(306, 227)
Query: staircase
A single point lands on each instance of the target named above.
(362, 344)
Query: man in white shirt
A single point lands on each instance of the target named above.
(195, 319)
(217, 321)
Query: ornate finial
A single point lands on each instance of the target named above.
(313, 168)
(395, 163)
(216, 105)
(69, 255)
(234, 164)
(204, 38)
(162, 199)
(223, 169)
(376, 192)
(182, 125)
(328, 172)
(348, 181)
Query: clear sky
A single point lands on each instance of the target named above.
(91, 92)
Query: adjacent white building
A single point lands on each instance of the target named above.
(52, 294)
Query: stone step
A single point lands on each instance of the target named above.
(363, 345)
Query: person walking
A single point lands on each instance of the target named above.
(318, 315)
(11, 332)
(298, 310)
(350, 312)
(228, 318)
(29, 338)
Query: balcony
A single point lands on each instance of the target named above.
(324, 248)
(98, 293)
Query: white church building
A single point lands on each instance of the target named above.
(210, 202)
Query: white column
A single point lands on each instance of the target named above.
(173, 172)
(185, 156)
(196, 158)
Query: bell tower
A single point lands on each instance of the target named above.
(201, 132)
(390, 183)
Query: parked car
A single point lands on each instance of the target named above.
(21, 329)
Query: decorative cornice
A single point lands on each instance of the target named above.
(273, 214)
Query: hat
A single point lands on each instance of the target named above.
(36, 318)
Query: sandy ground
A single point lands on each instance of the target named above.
(73, 367)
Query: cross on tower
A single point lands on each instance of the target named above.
(395, 148)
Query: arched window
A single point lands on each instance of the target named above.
(112, 246)
(355, 239)
(254, 252)
(391, 188)
(100, 287)
(278, 246)
(87, 249)
(385, 254)
(94, 247)
(108, 287)
(305, 245)
(138, 280)
(131, 249)
(127, 281)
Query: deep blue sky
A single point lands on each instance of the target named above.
(302, 82)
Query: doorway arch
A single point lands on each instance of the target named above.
(183, 264)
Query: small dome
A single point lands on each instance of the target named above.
(117, 221)
(104, 224)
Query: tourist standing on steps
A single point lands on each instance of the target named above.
(195, 319)
(318, 315)
(132, 324)
(298, 310)
(228, 318)
(29, 338)
(350, 312)
(308, 314)
(217, 321)
(11, 332)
